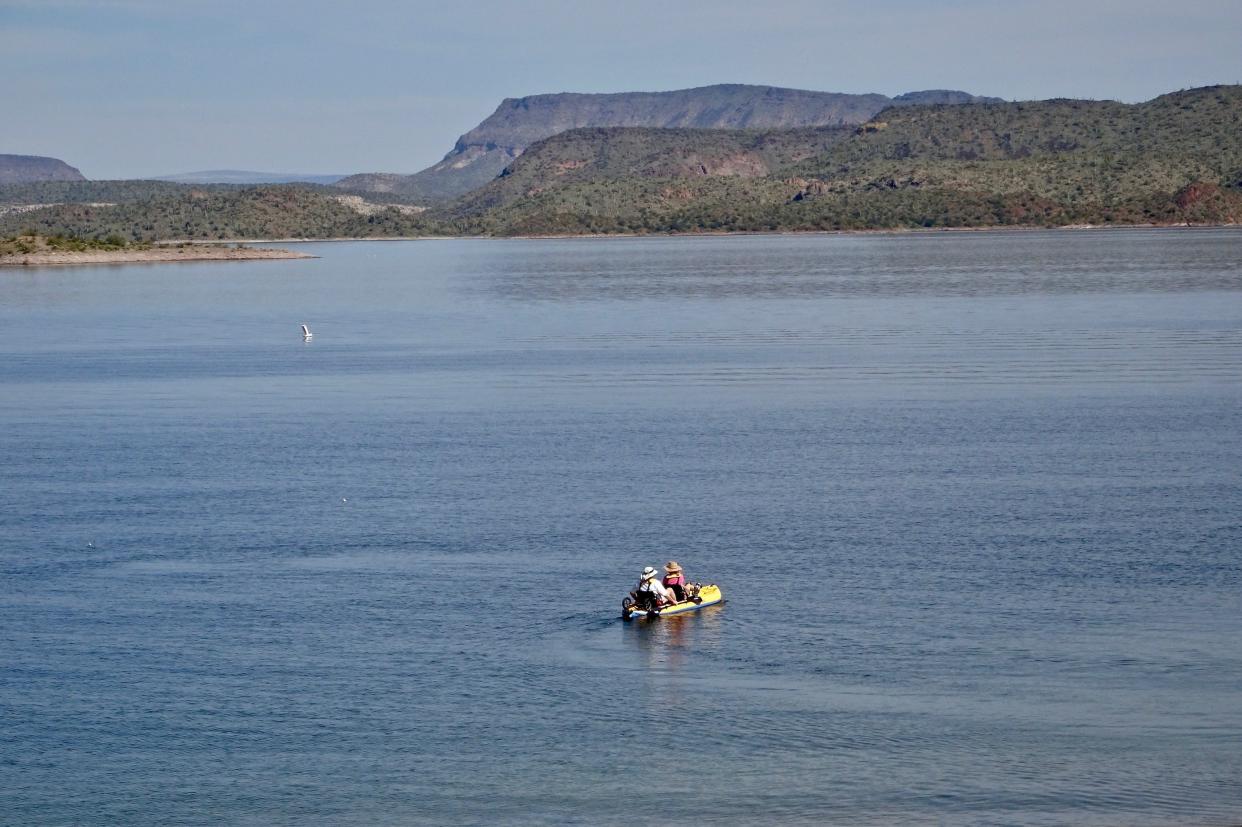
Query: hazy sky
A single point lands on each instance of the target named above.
(127, 88)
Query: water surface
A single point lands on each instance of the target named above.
(973, 499)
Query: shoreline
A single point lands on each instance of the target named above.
(173, 251)
(155, 254)
(876, 231)
(725, 233)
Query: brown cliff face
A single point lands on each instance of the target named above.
(1195, 193)
(1202, 202)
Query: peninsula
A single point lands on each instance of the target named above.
(41, 251)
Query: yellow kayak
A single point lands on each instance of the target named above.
(708, 595)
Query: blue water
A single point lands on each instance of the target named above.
(974, 501)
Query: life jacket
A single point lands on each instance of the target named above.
(674, 579)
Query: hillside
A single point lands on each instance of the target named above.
(148, 211)
(484, 151)
(20, 169)
(583, 179)
(85, 192)
(1175, 159)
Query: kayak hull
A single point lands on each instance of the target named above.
(708, 596)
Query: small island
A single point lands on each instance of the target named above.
(37, 250)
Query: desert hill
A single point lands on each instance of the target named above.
(484, 151)
(21, 169)
(1174, 159)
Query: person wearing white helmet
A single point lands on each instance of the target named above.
(652, 591)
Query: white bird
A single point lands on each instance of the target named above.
(306, 334)
(344, 500)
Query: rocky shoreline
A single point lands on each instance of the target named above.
(194, 252)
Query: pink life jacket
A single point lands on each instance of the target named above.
(674, 580)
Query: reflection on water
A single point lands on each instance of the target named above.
(665, 644)
(919, 264)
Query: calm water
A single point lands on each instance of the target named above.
(975, 501)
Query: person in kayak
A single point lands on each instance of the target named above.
(675, 580)
(651, 591)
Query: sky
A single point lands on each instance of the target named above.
(134, 88)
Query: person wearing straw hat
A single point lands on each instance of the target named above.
(675, 580)
(651, 592)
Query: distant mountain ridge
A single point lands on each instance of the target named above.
(25, 169)
(484, 151)
(1173, 160)
(245, 176)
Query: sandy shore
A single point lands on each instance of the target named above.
(197, 252)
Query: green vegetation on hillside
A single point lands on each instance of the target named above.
(26, 244)
(86, 192)
(1177, 159)
(641, 180)
(176, 211)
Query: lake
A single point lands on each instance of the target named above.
(974, 501)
